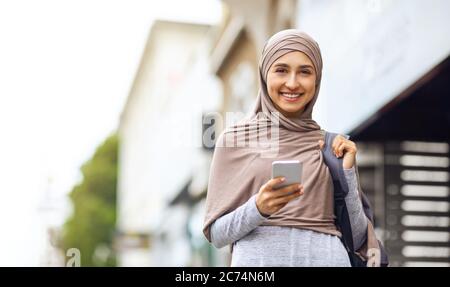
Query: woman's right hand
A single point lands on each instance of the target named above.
(269, 200)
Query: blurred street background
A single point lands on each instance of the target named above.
(104, 106)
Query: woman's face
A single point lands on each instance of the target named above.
(291, 83)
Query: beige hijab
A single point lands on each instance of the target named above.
(244, 153)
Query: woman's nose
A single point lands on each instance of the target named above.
(292, 83)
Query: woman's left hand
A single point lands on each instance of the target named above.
(344, 147)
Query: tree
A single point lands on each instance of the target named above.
(91, 227)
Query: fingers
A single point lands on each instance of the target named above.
(285, 199)
(283, 192)
(341, 145)
(273, 182)
(338, 140)
(340, 149)
(270, 201)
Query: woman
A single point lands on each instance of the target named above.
(275, 227)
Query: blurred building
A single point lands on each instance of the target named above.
(163, 164)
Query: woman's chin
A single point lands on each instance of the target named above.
(291, 110)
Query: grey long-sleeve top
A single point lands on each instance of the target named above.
(257, 245)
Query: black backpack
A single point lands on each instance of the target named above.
(340, 208)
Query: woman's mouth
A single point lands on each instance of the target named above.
(291, 97)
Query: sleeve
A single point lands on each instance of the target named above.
(358, 219)
(236, 224)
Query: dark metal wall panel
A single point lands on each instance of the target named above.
(417, 203)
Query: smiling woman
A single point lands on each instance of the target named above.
(293, 225)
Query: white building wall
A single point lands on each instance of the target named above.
(184, 157)
(161, 137)
(372, 50)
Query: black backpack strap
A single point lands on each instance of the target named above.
(340, 191)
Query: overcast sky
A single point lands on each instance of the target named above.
(66, 68)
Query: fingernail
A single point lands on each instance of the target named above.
(299, 186)
(283, 179)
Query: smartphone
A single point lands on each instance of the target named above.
(291, 170)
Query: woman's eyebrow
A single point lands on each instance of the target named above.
(283, 65)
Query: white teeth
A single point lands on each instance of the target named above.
(291, 95)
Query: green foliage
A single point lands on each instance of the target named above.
(92, 225)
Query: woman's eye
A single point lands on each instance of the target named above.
(280, 70)
(308, 72)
